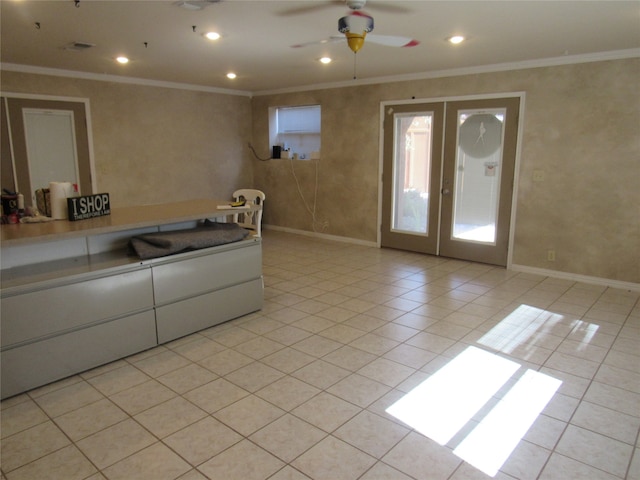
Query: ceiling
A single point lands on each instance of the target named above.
(165, 42)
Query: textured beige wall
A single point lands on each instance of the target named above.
(580, 129)
(581, 125)
(157, 145)
(347, 189)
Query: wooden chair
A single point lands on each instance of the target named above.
(250, 220)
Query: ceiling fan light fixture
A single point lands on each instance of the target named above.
(355, 41)
(355, 27)
(355, 22)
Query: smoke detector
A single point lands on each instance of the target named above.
(196, 4)
(79, 46)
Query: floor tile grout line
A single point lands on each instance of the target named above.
(456, 341)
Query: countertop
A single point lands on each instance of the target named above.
(123, 218)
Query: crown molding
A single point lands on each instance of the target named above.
(101, 77)
(454, 72)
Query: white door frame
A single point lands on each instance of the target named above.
(516, 172)
(87, 114)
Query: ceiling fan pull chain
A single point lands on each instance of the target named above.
(355, 56)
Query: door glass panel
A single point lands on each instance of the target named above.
(411, 170)
(477, 175)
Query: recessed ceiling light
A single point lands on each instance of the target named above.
(212, 35)
(325, 60)
(455, 39)
(122, 59)
(231, 75)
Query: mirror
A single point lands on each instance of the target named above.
(45, 139)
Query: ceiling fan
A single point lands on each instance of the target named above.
(356, 26)
(311, 7)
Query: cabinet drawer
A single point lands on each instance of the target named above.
(187, 316)
(40, 313)
(193, 276)
(39, 363)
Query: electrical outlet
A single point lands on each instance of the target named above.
(551, 255)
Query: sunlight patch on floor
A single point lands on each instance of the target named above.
(441, 405)
(528, 325)
(445, 402)
(489, 445)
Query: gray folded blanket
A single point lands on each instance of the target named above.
(209, 234)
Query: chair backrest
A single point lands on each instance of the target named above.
(250, 220)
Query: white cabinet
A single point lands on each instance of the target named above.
(62, 317)
(182, 318)
(198, 290)
(67, 307)
(190, 274)
(51, 330)
(38, 363)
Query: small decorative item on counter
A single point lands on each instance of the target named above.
(59, 192)
(9, 202)
(35, 217)
(88, 206)
(20, 205)
(241, 202)
(43, 201)
(9, 206)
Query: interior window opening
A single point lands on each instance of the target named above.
(294, 131)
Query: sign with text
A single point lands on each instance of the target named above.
(88, 206)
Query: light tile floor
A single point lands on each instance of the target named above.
(300, 389)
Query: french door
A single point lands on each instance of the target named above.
(447, 178)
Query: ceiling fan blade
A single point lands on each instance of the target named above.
(391, 40)
(332, 39)
(385, 40)
(310, 7)
(386, 6)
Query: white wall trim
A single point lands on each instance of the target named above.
(516, 180)
(87, 116)
(453, 72)
(323, 236)
(606, 282)
(103, 77)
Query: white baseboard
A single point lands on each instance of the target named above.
(606, 282)
(306, 233)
